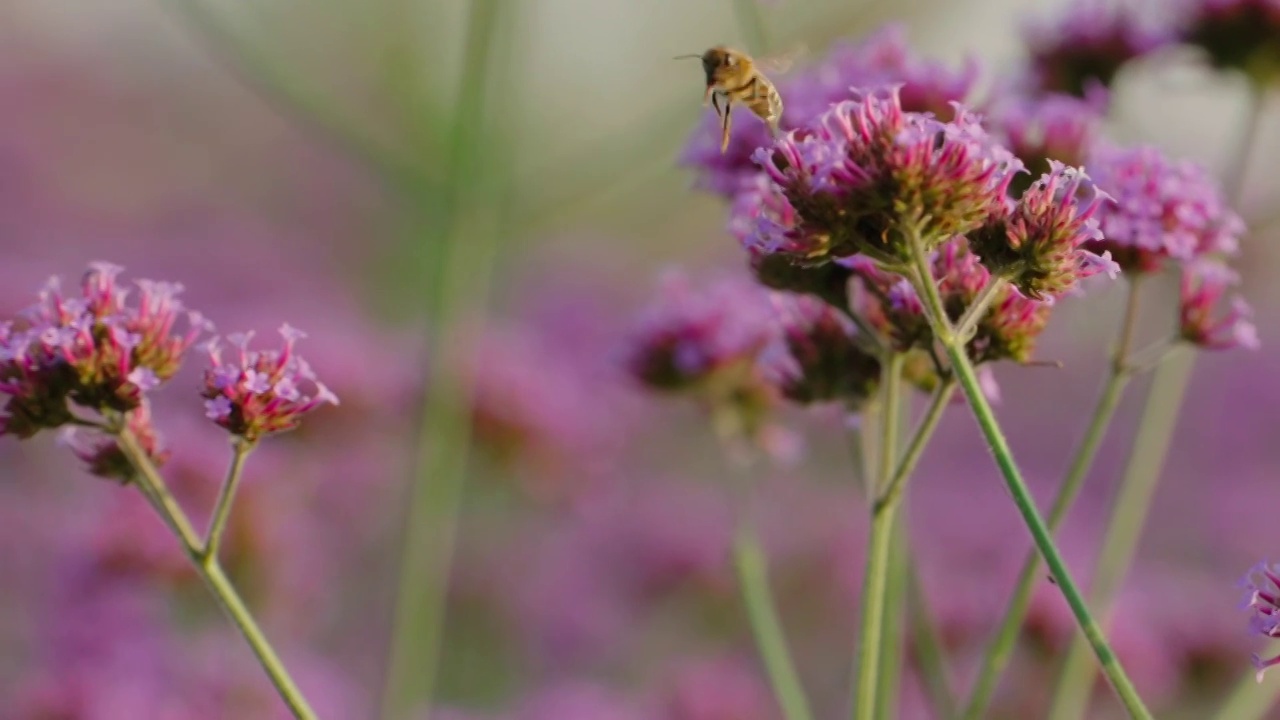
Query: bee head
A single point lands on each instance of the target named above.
(716, 60)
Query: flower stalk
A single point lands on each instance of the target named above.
(240, 449)
(1025, 503)
(206, 564)
(998, 652)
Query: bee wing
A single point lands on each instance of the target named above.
(780, 63)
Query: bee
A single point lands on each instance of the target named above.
(733, 76)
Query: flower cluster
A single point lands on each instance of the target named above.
(261, 392)
(98, 351)
(1160, 209)
(825, 360)
(1086, 47)
(1053, 126)
(103, 457)
(1204, 285)
(867, 175)
(1242, 35)
(1040, 242)
(1262, 584)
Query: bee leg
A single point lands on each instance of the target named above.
(709, 96)
(724, 117)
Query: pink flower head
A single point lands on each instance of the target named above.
(261, 392)
(103, 456)
(1040, 242)
(690, 335)
(1238, 34)
(1088, 44)
(1262, 583)
(1204, 284)
(1160, 209)
(882, 58)
(1054, 126)
(98, 350)
(867, 172)
(824, 360)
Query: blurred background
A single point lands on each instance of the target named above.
(314, 162)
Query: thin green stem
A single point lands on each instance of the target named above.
(927, 650)
(1022, 498)
(463, 274)
(877, 565)
(892, 634)
(749, 560)
(153, 487)
(974, 314)
(1250, 700)
(752, 25)
(1001, 647)
(1124, 528)
(240, 450)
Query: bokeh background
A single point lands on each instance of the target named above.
(309, 163)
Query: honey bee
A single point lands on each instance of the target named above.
(733, 76)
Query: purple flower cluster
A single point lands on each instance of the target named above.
(826, 360)
(261, 392)
(1241, 35)
(867, 174)
(1160, 209)
(1052, 126)
(1262, 584)
(1087, 46)
(1040, 242)
(1205, 284)
(97, 351)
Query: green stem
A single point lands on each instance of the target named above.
(207, 567)
(877, 565)
(752, 25)
(1128, 515)
(892, 633)
(1250, 700)
(1022, 498)
(749, 559)
(226, 496)
(976, 311)
(928, 652)
(462, 279)
(1001, 647)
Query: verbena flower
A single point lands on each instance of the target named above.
(1053, 126)
(1262, 585)
(1239, 35)
(1205, 284)
(1040, 242)
(1159, 209)
(1088, 44)
(261, 392)
(866, 174)
(693, 336)
(824, 360)
(881, 58)
(104, 458)
(98, 350)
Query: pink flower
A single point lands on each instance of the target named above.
(1262, 583)
(261, 392)
(1204, 284)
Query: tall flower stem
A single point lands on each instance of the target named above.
(876, 571)
(1128, 516)
(928, 651)
(459, 277)
(771, 642)
(206, 565)
(1040, 534)
(1001, 647)
(892, 633)
(226, 496)
(884, 508)
(1250, 700)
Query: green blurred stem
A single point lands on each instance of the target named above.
(930, 658)
(240, 449)
(1128, 516)
(969, 383)
(461, 280)
(876, 571)
(153, 487)
(892, 633)
(751, 22)
(1250, 700)
(1001, 647)
(749, 560)
(976, 311)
